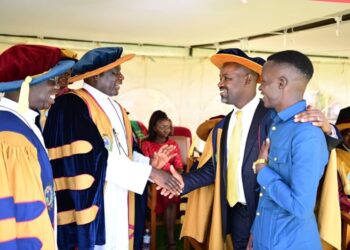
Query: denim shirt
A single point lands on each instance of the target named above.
(297, 158)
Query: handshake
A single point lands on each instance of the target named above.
(171, 184)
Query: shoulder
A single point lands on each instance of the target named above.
(69, 99)
(14, 140)
(17, 151)
(69, 103)
(7, 118)
(306, 132)
(146, 143)
(221, 123)
(307, 128)
(10, 122)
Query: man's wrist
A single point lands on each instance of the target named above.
(258, 164)
(333, 132)
(327, 129)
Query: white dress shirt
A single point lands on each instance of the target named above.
(247, 116)
(122, 175)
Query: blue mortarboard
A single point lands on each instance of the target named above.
(97, 61)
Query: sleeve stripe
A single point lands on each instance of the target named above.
(7, 208)
(27, 243)
(79, 182)
(80, 217)
(76, 147)
(24, 211)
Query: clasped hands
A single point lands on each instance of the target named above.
(171, 184)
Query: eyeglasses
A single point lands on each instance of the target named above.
(54, 80)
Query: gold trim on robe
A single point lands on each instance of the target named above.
(74, 148)
(78, 182)
(328, 212)
(80, 217)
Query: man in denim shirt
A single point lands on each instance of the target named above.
(291, 162)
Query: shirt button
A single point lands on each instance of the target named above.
(275, 158)
(261, 194)
(264, 187)
(273, 128)
(257, 213)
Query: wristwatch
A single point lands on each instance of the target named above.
(258, 161)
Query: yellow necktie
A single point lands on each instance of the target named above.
(232, 163)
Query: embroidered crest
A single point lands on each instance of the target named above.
(49, 196)
(107, 142)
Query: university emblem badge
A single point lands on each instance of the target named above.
(107, 142)
(49, 196)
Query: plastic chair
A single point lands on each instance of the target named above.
(182, 131)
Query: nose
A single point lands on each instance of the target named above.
(220, 84)
(120, 76)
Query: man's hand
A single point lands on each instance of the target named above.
(263, 154)
(166, 181)
(162, 156)
(250, 242)
(315, 116)
(178, 177)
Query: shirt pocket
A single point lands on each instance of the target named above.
(279, 161)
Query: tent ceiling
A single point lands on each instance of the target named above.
(181, 22)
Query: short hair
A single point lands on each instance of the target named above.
(295, 58)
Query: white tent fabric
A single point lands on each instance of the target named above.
(186, 87)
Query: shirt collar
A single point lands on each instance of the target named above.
(95, 92)
(30, 115)
(291, 111)
(249, 107)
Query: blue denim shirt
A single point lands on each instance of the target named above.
(298, 154)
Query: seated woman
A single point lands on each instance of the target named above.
(159, 129)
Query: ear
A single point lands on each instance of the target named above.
(95, 79)
(248, 78)
(282, 82)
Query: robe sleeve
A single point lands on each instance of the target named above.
(79, 162)
(24, 219)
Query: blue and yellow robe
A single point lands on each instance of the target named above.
(26, 191)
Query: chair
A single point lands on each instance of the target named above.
(139, 130)
(182, 131)
(183, 138)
